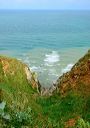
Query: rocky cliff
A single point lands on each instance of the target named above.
(12, 68)
(78, 79)
(16, 76)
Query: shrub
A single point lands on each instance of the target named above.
(15, 118)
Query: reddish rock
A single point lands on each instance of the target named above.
(77, 79)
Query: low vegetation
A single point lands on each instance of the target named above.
(21, 106)
(54, 112)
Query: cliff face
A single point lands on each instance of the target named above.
(32, 79)
(14, 73)
(78, 79)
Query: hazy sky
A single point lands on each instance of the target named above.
(45, 4)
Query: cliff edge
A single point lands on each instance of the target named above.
(14, 75)
(78, 79)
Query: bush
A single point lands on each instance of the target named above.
(15, 119)
(21, 118)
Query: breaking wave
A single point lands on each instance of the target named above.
(51, 58)
(67, 68)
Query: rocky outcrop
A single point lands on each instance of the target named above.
(78, 79)
(32, 78)
(48, 91)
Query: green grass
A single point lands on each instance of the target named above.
(53, 111)
(46, 112)
(60, 110)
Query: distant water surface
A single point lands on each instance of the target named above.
(50, 42)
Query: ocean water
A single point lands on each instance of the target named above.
(49, 42)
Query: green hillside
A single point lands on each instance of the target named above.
(22, 106)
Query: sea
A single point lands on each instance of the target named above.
(49, 42)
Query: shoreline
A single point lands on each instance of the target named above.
(50, 64)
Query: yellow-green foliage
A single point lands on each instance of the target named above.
(82, 124)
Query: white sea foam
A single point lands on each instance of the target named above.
(34, 68)
(67, 68)
(49, 65)
(52, 58)
(52, 72)
(37, 69)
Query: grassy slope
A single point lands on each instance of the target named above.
(47, 112)
(13, 83)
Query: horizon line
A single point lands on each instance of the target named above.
(46, 9)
